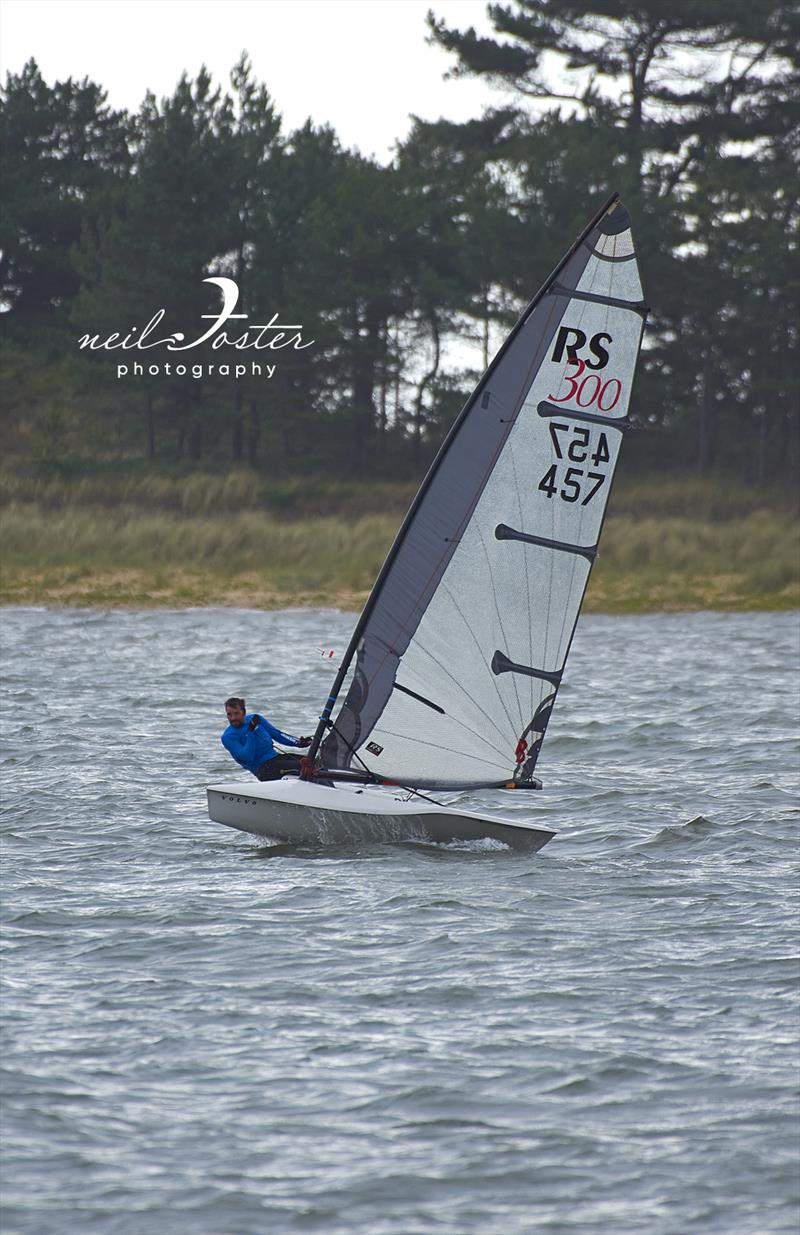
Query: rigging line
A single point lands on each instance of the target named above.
(473, 701)
(419, 794)
(505, 636)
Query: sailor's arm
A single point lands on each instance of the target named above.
(278, 736)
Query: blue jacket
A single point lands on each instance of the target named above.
(251, 749)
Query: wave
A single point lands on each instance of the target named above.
(693, 831)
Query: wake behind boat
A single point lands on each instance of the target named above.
(455, 663)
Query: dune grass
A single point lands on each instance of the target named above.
(82, 556)
(124, 555)
(212, 494)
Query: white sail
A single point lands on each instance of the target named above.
(462, 645)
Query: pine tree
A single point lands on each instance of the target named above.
(65, 157)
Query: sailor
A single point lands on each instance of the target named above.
(249, 738)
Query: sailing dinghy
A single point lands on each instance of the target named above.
(455, 663)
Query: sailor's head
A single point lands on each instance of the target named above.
(234, 710)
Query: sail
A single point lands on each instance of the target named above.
(461, 647)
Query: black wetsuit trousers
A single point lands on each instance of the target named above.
(280, 765)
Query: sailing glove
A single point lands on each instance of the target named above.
(255, 721)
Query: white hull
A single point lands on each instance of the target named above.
(297, 810)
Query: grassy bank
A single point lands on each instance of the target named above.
(123, 554)
(208, 494)
(114, 486)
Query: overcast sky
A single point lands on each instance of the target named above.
(361, 65)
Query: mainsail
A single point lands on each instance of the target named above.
(460, 650)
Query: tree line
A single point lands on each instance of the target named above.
(691, 111)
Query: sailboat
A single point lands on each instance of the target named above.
(456, 660)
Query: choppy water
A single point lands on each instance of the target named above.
(394, 1040)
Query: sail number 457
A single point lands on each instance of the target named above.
(579, 449)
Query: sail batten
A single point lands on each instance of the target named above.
(609, 257)
(461, 648)
(501, 664)
(420, 698)
(503, 532)
(616, 302)
(549, 409)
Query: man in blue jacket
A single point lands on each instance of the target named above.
(249, 739)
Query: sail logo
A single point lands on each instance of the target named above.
(589, 390)
(584, 385)
(571, 340)
(591, 396)
(272, 335)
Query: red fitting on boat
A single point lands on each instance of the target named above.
(306, 767)
(521, 751)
